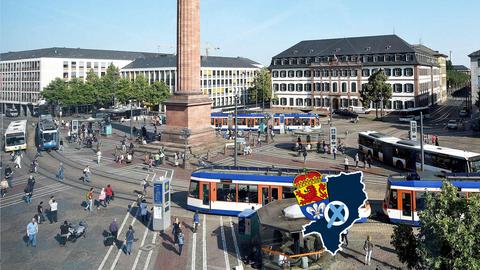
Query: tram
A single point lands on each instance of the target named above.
(253, 121)
(46, 134)
(228, 190)
(405, 195)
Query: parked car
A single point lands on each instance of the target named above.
(452, 124)
(345, 112)
(464, 112)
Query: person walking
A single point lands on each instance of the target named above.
(113, 228)
(157, 159)
(40, 215)
(129, 237)
(357, 159)
(99, 156)
(345, 238)
(162, 157)
(60, 148)
(181, 241)
(143, 212)
(101, 199)
(32, 231)
(334, 152)
(4, 187)
(86, 174)
(29, 190)
(18, 161)
(61, 172)
(305, 155)
(369, 161)
(364, 161)
(345, 162)
(368, 248)
(196, 221)
(89, 198)
(144, 186)
(175, 230)
(436, 141)
(108, 194)
(53, 211)
(175, 158)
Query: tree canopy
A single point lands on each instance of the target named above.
(376, 91)
(102, 92)
(448, 237)
(262, 87)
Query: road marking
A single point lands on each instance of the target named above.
(150, 253)
(100, 267)
(194, 247)
(204, 242)
(237, 251)
(115, 261)
(13, 196)
(37, 195)
(143, 242)
(224, 244)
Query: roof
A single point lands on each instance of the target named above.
(349, 46)
(170, 60)
(58, 52)
(16, 126)
(460, 68)
(475, 54)
(271, 215)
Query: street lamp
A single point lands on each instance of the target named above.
(131, 120)
(236, 132)
(185, 134)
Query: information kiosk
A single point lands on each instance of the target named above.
(161, 204)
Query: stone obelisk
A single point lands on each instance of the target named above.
(188, 108)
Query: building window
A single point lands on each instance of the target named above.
(308, 87)
(397, 88)
(307, 73)
(291, 87)
(275, 74)
(299, 102)
(335, 89)
(353, 87)
(291, 73)
(299, 73)
(409, 104)
(344, 87)
(65, 64)
(408, 88)
(283, 101)
(326, 87)
(380, 58)
(65, 75)
(283, 87)
(397, 72)
(408, 72)
(275, 87)
(398, 105)
(283, 74)
(291, 102)
(74, 64)
(387, 72)
(365, 72)
(299, 87)
(318, 87)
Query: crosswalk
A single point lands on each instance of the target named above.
(40, 192)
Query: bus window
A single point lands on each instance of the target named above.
(420, 200)
(226, 192)
(194, 190)
(287, 192)
(393, 199)
(475, 166)
(247, 193)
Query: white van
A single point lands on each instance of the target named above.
(357, 109)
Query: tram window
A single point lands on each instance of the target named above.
(393, 203)
(241, 121)
(194, 190)
(226, 192)
(247, 194)
(287, 192)
(420, 200)
(212, 121)
(274, 193)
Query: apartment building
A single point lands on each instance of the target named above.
(475, 74)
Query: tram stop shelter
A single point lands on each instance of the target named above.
(282, 241)
(307, 136)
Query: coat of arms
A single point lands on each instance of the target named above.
(311, 193)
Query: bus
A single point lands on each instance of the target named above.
(228, 190)
(47, 136)
(253, 121)
(406, 154)
(405, 194)
(16, 136)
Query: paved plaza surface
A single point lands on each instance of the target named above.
(215, 245)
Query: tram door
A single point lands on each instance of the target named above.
(274, 194)
(269, 194)
(265, 197)
(206, 194)
(407, 206)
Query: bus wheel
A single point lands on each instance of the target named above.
(399, 164)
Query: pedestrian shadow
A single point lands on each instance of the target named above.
(387, 249)
(169, 246)
(180, 198)
(349, 256)
(166, 237)
(373, 259)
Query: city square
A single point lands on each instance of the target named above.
(116, 159)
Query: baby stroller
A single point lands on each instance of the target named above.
(77, 231)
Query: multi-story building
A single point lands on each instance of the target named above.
(24, 74)
(328, 74)
(475, 74)
(221, 77)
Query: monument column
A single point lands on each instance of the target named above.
(188, 108)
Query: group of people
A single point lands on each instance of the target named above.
(104, 197)
(155, 159)
(38, 218)
(125, 155)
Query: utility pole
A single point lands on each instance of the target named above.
(131, 121)
(421, 142)
(236, 132)
(2, 143)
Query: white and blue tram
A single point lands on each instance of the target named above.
(227, 190)
(405, 195)
(47, 135)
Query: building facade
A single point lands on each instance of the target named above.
(221, 78)
(475, 74)
(329, 74)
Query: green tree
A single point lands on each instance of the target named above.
(55, 92)
(108, 86)
(157, 93)
(93, 86)
(405, 243)
(124, 90)
(262, 86)
(140, 88)
(455, 78)
(376, 91)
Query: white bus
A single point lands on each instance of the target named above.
(16, 136)
(405, 154)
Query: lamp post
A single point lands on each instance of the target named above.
(131, 120)
(236, 132)
(185, 134)
(2, 142)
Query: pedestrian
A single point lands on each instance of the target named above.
(124, 147)
(175, 158)
(357, 159)
(259, 141)
(129, 237)
(4, 187)
(89, 200)
(175, 229)
(39, 151)
(436, 141)
(162, 157)
(61, 146)
(272, 135)
(64, 232)
(86, 174)
(18, 161)
(345, 238)
(101, 199)
(143, 211)
(368, 248)
(32, 230)
(364, 161)
(325, 149)
(345, 161)
(113, 228)
(305, 155)
(40, 215)
(61, 172)
(334, 152)
(53, 211)
(99, 156)
(145, 186)
(181, 241)
(108, 194)
(369, 161)
(196, 221)
(28, 193)
(157, 159)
